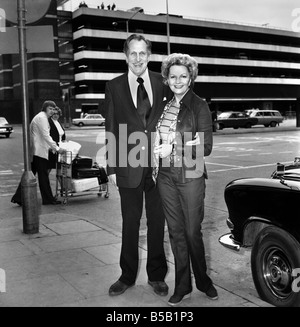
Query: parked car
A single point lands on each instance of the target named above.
(5, 128)
(267, 118)
(264, 213)
(234, 119)
(89, 120)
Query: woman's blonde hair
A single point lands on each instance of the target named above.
(179, 59)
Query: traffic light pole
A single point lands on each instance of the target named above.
(28, 181)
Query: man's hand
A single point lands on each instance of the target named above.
(113, 179)
(60, 150)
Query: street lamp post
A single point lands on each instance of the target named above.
(127, 21)
(28, 180)
(168, 29)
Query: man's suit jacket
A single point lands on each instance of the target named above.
(41, 141)
(127, 159)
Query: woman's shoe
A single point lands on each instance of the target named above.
(176, 299)
(212, 293)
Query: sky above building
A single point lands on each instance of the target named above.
(270, 13)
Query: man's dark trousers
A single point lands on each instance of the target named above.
(132, 209)
(40, 166)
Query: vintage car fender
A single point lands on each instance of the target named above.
(264, 200)
(264, 214)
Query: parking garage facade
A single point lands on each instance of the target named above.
(240, 66)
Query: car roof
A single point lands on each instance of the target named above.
(262, 110)
(231, 112)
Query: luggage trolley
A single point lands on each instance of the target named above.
(68, 186)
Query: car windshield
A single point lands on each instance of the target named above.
(3, 121)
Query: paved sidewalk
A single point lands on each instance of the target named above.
(74, 258)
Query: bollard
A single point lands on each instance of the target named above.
(29, 203)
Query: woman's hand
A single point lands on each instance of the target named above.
(163, 150)
(195, 141)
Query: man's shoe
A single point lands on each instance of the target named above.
(160, 288)
(176, 299)
(118, 288)
(212, 293)
(17, 202)
(52, 202)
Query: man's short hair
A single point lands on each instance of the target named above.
(137, 37)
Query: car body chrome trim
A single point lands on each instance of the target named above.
(227, 241)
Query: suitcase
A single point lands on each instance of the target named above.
(82, 162)
(90, 173)
(84, 184)
(103, 178)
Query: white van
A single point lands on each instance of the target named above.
(266, 117)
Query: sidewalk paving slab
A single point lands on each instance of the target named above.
(74, 258)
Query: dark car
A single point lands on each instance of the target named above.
(264, 213)
(235, 119)
(5, 128)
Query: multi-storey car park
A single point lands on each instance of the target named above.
(240, 66)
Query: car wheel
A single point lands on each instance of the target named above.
(273, 124)
(274, 255)
(7, 135)
(221, 126)
(80, 124)
(248, 125)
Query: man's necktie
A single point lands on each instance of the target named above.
(143, 103)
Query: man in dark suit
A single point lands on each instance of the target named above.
(129, 163)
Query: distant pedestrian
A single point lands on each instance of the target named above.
(214, 119)
(41, 142)
(102, 5)
(82, 4)
(113, 7)
(57, 132)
